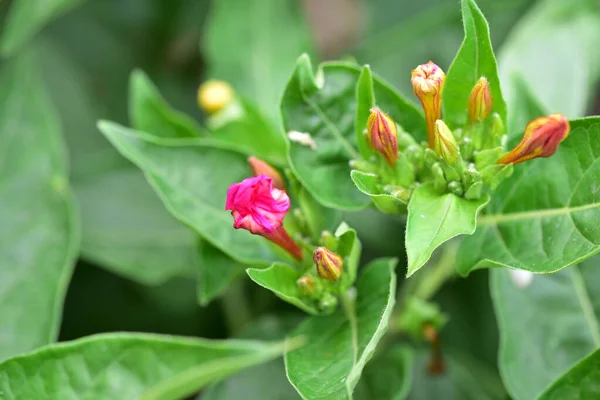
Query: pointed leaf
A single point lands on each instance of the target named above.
(434, 219)
(338, 346)
(556, 227)
(40, 226)
(474, 59)
(580, 383)
(365, 100)
(192, 181)
(558, 312)
(128, 366)
(322, 108)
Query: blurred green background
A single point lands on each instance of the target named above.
(137, 267)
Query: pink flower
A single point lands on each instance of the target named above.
(259, 208)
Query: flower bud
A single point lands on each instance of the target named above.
(214, 95)
(541, 139)
(329, 264)
(382, 133)
(259, 167)
(444, 144)
(307, 285)
(428, 82)
(480, 101)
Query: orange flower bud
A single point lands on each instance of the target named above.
(259, 167)
(383, 135)
(329, 264)
(480, 101)
(444, 143)
(541, 139)
(428, 82)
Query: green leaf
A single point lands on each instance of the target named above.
(474, 59)
(281, 280)
(580, 383)
(369, 184)
(387, 376)
(527, 107)
(365, 100)
(40, 224)
(322, 108)
(216, 271)
(433, 219)
(338, 346)
(555, 228)
(149, 111)
(26, 18)
(192, 180)
(349, 247)
(559, 312)
(262, 41)
(550, 49)
(128, 366)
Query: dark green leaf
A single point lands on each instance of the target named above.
(40, 231)
(149, 111)
(369, 184)
(546, 216)
(580, 383)
(26, 18)
(192, 180)
(388, 376)
(253, 46)
(338, 346)
(215, 272)
(474, 59)
(558, 311)
(128, 366)
(433, 219)
(321, 109)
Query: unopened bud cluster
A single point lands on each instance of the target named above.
(463, 159)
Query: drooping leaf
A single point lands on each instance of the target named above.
(263, 40)
(434, 219)
(474, 59)
(369, 184)
(547, 215)
(580, 383)
(215, 272)
(26, 18)
(550, 49)
(387, 376)
(318, 113)
(558, 311)
(192, 180)
(150, 112)
(339, 346)
(128, 366)
(40, 232)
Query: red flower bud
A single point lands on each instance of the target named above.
(428, 82)
(383, 135)
(541, 139)
(480, 101)
(329, 264)
(259, 167)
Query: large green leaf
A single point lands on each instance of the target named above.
(128, 366)
(388, 376)
(547, 215)
(550, 49)
(26, 18)
(254, 44)
(149, 111)
(323, 107)
(338, 346)
(39, 238)
(192, 180)
(215, 272)
(435, 218)
(474, 59)
(580, 383)
(559, 312)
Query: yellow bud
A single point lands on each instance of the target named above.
(330, 265)
(428, 83)
(541, 139)
(480, 101)
(383, 135)
(444, 143)
(214, 95)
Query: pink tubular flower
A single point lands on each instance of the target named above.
(259, 208)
